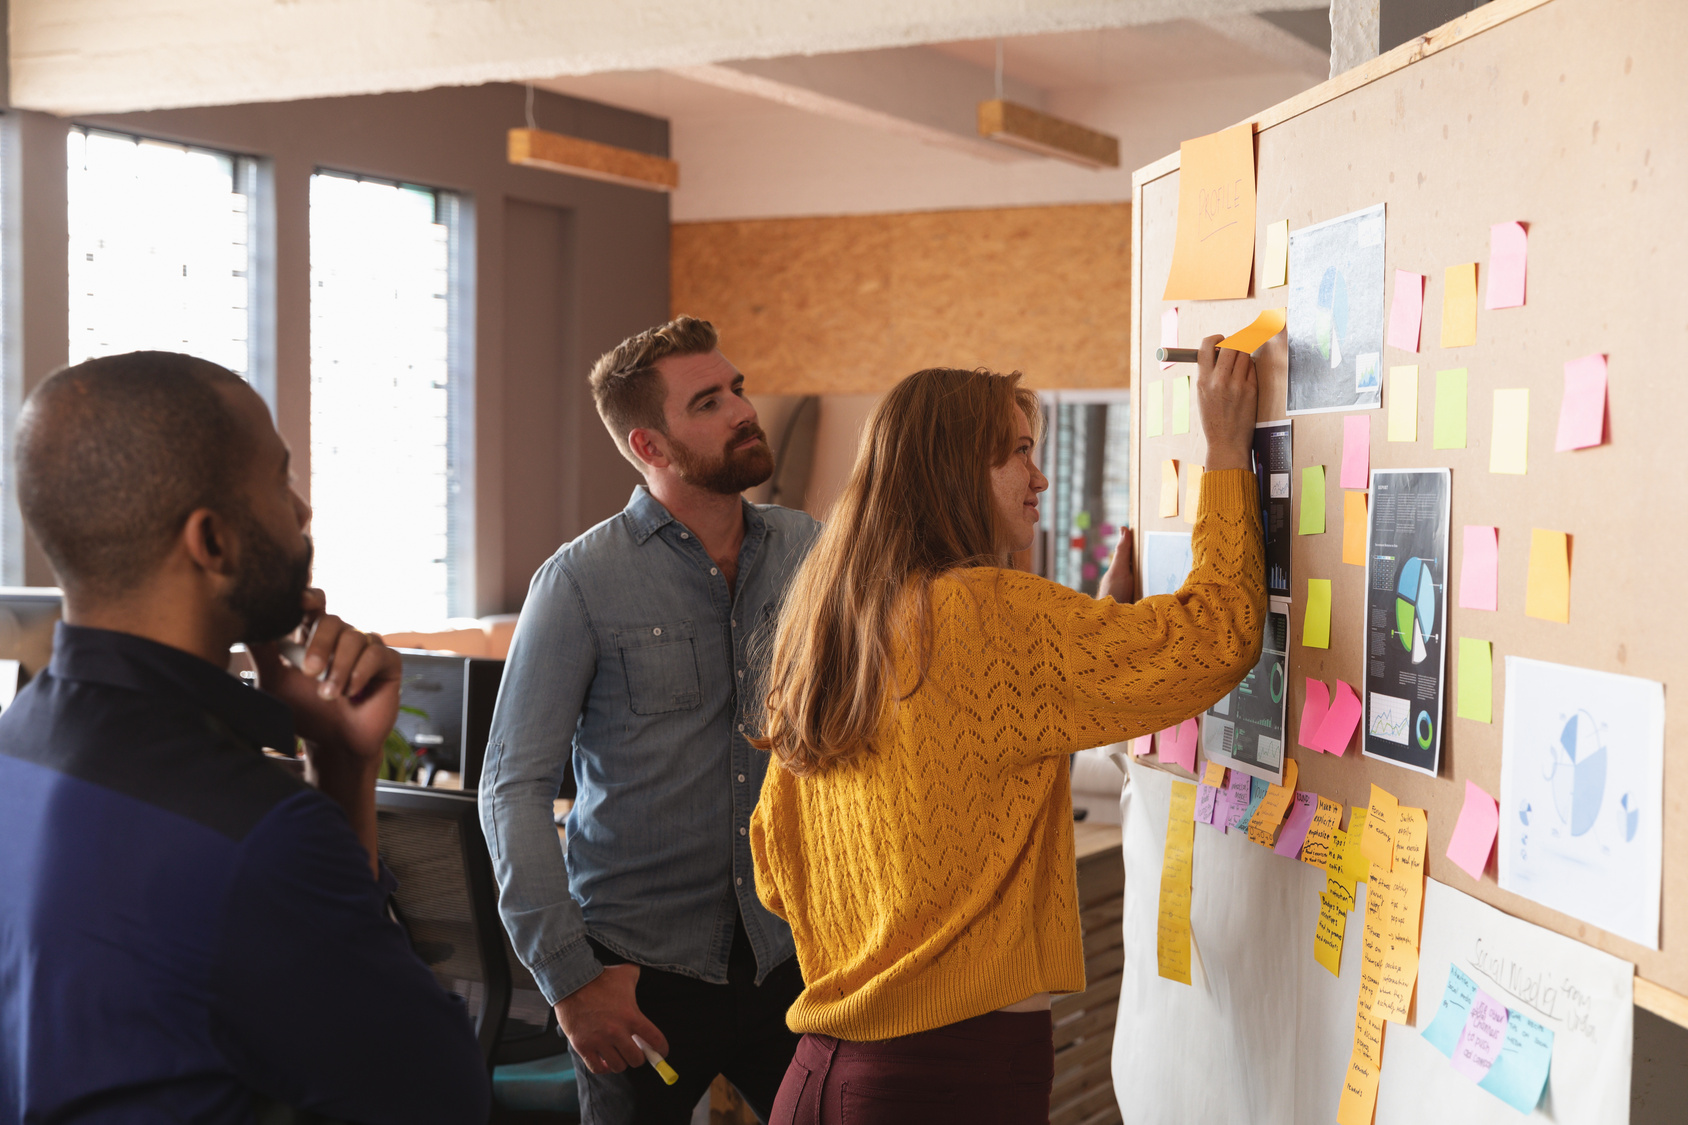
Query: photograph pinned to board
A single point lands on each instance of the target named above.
(1406, 616)
(1272, 468)
(1166, 561)
(1245, 730)
(1581, 779)
(1336, 314)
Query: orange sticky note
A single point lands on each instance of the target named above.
(1378, 844)
(1359, 1092)
(1169, 487)
(1548, 592)
(1269, 323)
(1459, 305)
(1214, 775)
(1354, 528)
(1193, 493)
(1213, 252)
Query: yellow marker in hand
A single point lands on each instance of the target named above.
(657, 1061)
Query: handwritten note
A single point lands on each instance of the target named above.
(1359, 1092)
(1263, 826)
(1180, 404)
(1547, 591)
(1207, 799)
(1403, 403)
(1169, 332)
(1177, 745)
(1479, 568)
(1257, 787)
(1474, 834)
(1239, 795)
(1295, 828)
(1443, 1031)
(1406, 311)
(1356, 451)
(1315, 626)
(1354, 528)
(1276, 269)
(1476, 680)
(1482, 1037)
(1269, 323)
(1340, 721)
(1349, 866)
(1509, 247)
(1519, 1073)
(1396, 982)
(1313, 711)
(1169, 488)
(1313, 500)
(1509, 440)
(1213, 250)
(1323, 835)
(1516, 1072)
(1154, 408)
(1459, 305)
(1172, 940)
(1378, 844)
(1214, 774)
(1327, 937)
(1193, 493)
(1582, 410)
(1447, 429)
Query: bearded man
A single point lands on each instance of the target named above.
(188, 932)
(634, 662)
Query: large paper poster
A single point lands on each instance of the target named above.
(1336, 314)
(1272, 467)
(1406, 616)
(1245, 730)
(1166, 561)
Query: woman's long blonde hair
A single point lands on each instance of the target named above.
(918, 503)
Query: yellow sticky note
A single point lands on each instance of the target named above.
(1378, 844)
(1358, 867)
(1448, 428)
(1354, 528)
(1323, 836)
(1509, 440)
(1313, 500)
(1169, 487)
(1213, 250)
(1180, 404)
(1276, 270)
(1374, 947)
(1154, 408)
(1476, 680)
(1269, 323)
(1459, 305)
(1359, 1092)
(1315, 626)
(1263, 826)
(1192, 493)
(1394, 997)
(1403, 403)
(1172, 941)
(1327, 937)
(1548, 592)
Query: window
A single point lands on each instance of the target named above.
(389, 402)
(1086, 456)
(161, 239)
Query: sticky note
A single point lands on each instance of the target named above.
(1403, 403)
(1482, 1037)
(1547, 593)
(1275, 272)
(1300, 820)
(1322, 832)
(1177, 745)
(1519, 1073)
(1327, 937)
(1479, 568)
(1207, 798)
(1459, 305)
(1394, 997)
(1411, 828)
(1378, 844)
(1213, 249)
(1509, 247)
(1214, 775)
(1263, 826)
(1510, 438)
(1193, 493)
(1169, 487)
(1239, 795)
(1474, 834)
(1406, 311)
(1582, 410)
(1141, 746)
(1154, 408)
(1356, 451)
(1180, 404)
(1348, 866)
(1340, 721)
(1169, 332)
(1172, 939)
(1257, 787)
(1443, 1031)
(1374, 946)
(1476, 680)
(1313, 712)
(1269, 323)
(1313, 500)
(1315, 626)
(1448, 427)
(1358, 1103)
(1354, 528)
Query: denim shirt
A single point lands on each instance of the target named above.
(632, 651)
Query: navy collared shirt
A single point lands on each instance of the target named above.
(636, 661)
(186, 929)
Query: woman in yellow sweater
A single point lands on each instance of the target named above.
(922, 700)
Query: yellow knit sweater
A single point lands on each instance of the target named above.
(932, 879)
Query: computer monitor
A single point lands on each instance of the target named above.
(455, 695)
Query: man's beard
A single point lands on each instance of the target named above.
(269, 592)
(731, 473)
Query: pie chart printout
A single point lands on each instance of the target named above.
(1336, 314)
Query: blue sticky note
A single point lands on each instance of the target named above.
(1256, 794)
(1444, 1030)
(1520, 1071)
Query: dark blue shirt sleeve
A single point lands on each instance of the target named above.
(320, 1002)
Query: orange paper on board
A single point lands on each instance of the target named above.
(1547, 592)
(1268, 324)
(1213, 255)
(1354, 528)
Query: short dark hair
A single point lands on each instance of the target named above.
(115, 453)
(627, 386)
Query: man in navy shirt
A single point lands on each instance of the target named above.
(187, 931)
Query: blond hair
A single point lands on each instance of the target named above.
(626, 385)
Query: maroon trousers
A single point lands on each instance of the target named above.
(994, 1069)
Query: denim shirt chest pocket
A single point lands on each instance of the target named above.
(660, 665)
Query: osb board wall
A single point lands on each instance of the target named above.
(1556, 117)
(850, 304)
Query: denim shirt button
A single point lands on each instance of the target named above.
(685, 535)
(713, 570)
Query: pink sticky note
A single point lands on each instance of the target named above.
(1474, 835)
(1141, 746)
(1406, 311)
(1356, 451)
(1582, 412)
(1313, 712)
(1295, 828)
(1206, 798)
(1340, 721)
(1509, 246)
(1238, 792)
(1479, 568)
(1189, 737)
(1169, 331)
(1481, 1039)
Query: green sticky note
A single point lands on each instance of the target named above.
(1154, 409)
(1476, 680)
(1315, 627)
(1313, 500)
(1180, 404)
(1449, 432)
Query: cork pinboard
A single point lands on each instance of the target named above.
(1567, 115)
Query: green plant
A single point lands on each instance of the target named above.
(398, 757)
